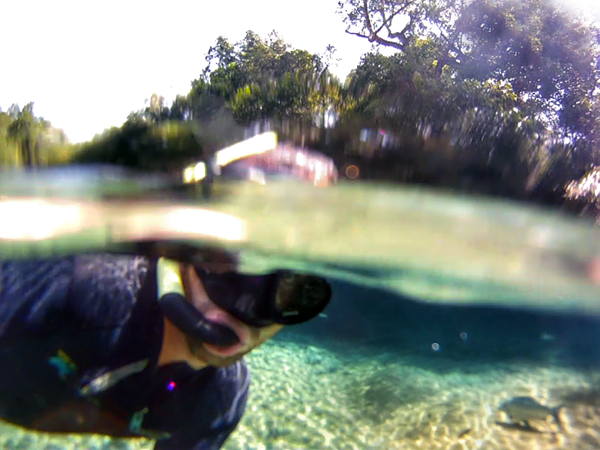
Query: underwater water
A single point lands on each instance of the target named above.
(443, 308)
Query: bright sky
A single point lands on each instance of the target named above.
(88, 64)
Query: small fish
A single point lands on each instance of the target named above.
(521, 410)
(109, 379)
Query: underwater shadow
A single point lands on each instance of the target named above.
(373, 323)
(519, 427)
(582, 396)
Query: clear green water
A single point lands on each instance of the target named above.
(432, 245)
(508, 294)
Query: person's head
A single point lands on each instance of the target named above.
(224, 314)
(248, 336)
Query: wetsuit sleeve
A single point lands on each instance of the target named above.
(84, 291)
(235, 388)
(33, 295)
(215, 406)
(105, 288)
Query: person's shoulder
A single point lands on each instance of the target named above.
(21, 275)
(205, 408)
(109, 285)
(226, 388)
(233, 377)
(31, 288)
(129, 268)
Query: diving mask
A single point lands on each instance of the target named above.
(281, 297)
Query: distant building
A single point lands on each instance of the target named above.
(286, 160)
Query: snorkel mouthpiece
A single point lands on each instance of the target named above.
(174, 305)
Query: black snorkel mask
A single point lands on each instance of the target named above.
(280, 297)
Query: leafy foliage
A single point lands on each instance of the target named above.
(29, 140)
(549, 57)
(502, 92)
(513, 84)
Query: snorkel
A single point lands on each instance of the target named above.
(174, 305)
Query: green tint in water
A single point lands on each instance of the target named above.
(427, 244)
(426, 380)
(422, 243)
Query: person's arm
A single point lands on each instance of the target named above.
(213, 442)
(216, 410)
(33, 295)
(50, 295)
(105, 288)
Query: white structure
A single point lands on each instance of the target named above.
(258, 127)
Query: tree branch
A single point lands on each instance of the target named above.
(358, 34)
(367, 17)
(401, 34)
(373, 37)
(388, 22)
(450, 41)
(377, 39)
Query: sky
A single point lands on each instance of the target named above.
(87, 64)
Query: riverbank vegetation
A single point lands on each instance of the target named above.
(486, 96)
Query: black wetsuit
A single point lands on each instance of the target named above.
(65, 321)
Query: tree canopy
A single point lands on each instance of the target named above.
(514, 83)
(28, 140)
(549, 57)
(503, 92)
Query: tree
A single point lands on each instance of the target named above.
(327, 60)
(180, 108)
(251, 61)
(203, 101)
(29, 140)
(25, 130)
(8, 148)
(548, 56)
(156, 111)
(513, 84)
(254, 78)
(250, 104)
(219, 56)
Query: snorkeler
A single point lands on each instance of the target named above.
(129, 346)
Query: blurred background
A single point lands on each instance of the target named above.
(496, 98)
(484, 96)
